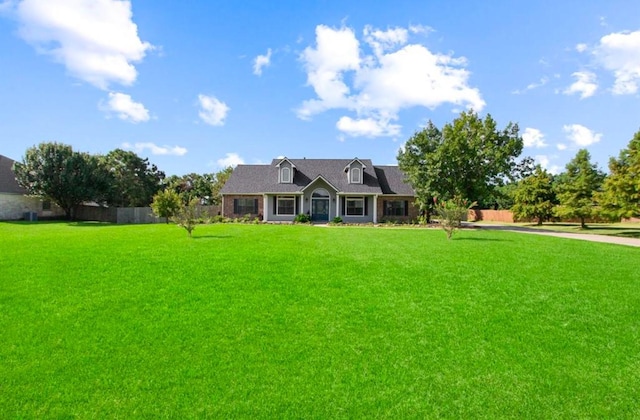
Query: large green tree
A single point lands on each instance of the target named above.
(134, 180)
(621, 189)
(534, 197)
(54, 171)
(468, 158)
(576, 188)
(206, 188)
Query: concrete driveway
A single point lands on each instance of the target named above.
(582, 236)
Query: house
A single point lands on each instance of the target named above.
(14, 202)
(353, 189)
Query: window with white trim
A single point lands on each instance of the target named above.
(355, 175)
(286, 205)
(285, 175)
(355, 206)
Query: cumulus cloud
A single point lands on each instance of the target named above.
(230, 159)
(545, 162)
(367, 127)
(581, 47)
(395, 75)
(154, 149)
(126, 108)
(261, 61)
(585, 84)
(96, 40)
(619, 52)
(561, 146)
(580, 135)
(532, 137)
(212, 110)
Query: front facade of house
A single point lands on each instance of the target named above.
(353, 189)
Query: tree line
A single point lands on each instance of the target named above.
(120, 178)
(471, 160)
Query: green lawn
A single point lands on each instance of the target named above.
(263, 321)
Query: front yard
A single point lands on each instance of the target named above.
(299, 321)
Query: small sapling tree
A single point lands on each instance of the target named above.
(188, 216)
(452, 213)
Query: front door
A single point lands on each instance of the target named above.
(320, 209)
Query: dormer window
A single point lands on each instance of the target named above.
(355, 175)
(285, 175)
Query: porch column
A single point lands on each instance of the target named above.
(338, 213)
(265, 208)
(375, 208)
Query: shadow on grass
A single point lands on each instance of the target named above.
(458, 238)
(212, 237)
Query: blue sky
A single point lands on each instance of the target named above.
(197, 85)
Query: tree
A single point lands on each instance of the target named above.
(468, 158)
(533, 197)
(206, 188)
(55, 172)
(188, 216)
(452, 213)
(166, 204)
(576, 187)
(621, 189)
(134, 180)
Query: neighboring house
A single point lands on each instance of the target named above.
(14, 202)
(353, 189)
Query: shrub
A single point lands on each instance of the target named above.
(336, 220)
(302, 218)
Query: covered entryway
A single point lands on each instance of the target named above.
(320, 205)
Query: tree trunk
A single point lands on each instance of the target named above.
(583, 225)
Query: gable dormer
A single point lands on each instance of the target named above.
(286, 171)
(355, 171)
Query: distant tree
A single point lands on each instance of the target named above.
(468, 158)
(134, 180)
(533, 197)
(621, 189)
(206, 188)
(166, 204)
(576, 188)
(55, 172)
(188, 216)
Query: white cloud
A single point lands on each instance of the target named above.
(561, 146)
(261, 61)
(581, 47)
(367, 127)
(585, 84)
(580, 135)
(96, 40)
(154, 149)
(620, 53)
(230, 159)
(126, 108)
(545, 162)
(543, 81)
(212, 110)
(376, 86)
(532, 137)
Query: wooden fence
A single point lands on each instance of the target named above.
(130, 215)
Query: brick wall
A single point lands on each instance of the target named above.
(413, 210)
(227, 211)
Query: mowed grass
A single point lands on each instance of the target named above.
(305, 322)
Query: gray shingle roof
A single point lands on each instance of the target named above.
(258, 179)
(392, 181)
(8, 183)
